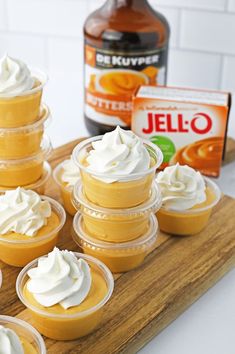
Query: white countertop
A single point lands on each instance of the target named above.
(207, 327)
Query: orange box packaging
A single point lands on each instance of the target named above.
(188, 125)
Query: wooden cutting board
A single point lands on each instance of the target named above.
(174, 275)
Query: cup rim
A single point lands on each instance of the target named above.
(148, 238)
(55, 174)
(211, 184)
(102, 267)
(58, 209)
(44, 116)
(153, 148)
(46, 150)
(38, 74)
(45, 176)
(28, 327)
(151, 205)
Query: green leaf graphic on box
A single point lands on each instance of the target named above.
(166, 145)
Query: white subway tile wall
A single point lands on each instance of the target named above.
(48, 34)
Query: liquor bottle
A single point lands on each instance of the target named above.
(126, 45)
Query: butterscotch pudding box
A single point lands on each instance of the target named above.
(188, 125)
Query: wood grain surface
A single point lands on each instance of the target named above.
(174, 275)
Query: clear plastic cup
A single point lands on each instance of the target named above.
(20, 172)
(116, 225)
(19, 251)
(23, 109)
(191, 221)
(65, 190)
(67, 326)
(31, 339)
(39, 186)
(17, 143)
(119, 257)
(128, 191)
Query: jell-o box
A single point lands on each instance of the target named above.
(188, 125)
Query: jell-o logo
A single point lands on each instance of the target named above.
(188, 125)
(159, 122)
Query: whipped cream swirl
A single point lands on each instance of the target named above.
(71, 173)
(60, 278)
(10, 342)
(119, 152)
(15, 77)
(182, 187)
(22, 211)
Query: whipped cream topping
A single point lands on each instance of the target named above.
(10, 342)
(119, 152)
(15, 77)
(71, 173)
(22, 211)
(182, 187)
(60, 278)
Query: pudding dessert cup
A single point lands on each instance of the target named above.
(17, 143)
(22, 109)
(21, 172)
(188, 199)
(18, 249)
(116, 225)
(74, 322)
(30, 339)
(119, 257)
(39, 186)
(127, 190)
(66, 189)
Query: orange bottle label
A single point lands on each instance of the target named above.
(111, 78)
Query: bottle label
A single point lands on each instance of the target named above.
(111, 78)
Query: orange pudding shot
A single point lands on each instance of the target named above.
(21, 172)
(66, 174)
(17, 336)
(119, 257)
(39, 186)
(117, 169)
(188, 200)
(20, 93)
(29, 226)
(17, 143)
(116, 225)
(66, 293)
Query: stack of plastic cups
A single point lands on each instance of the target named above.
(116, 222)
(24, 148)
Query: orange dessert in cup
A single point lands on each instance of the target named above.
(119, 257)
(116, 225)
(71, 304)
(66, 174)
(188, 200)
(39, 186)
(17, 336)
(17, 143)
(20, 93)
(117, 169)
(21, 172)
(29, 226)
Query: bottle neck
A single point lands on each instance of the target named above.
(128, 3)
